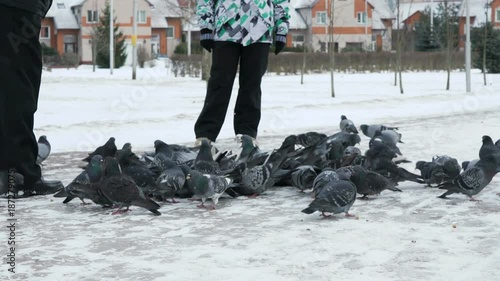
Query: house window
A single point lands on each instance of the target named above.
(45, 32)
(297, 40)
(320, 17)
(362, 17)
(497, 15)
(170, 32)
(92, 16)
(70, 44)
(141, 16)
(61, 6)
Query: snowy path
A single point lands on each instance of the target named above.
(397, 236)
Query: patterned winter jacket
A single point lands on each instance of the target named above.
(244, 21)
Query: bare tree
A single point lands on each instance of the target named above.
(331, 48)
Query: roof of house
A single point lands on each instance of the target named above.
(168, 8)
(477, 9)
(381, 11)
(61, 12)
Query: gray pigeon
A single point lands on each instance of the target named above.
(497, 143)
(431, 172)
(303, 177)
(327, 175)
(309, 138)
(170, 181)
(43, 149)
(83, 186)
(122, 190)
(469, 164)
(335, 197)
(472, 181)
(178, 153)
(370, 130)
(345, 138)
(450, 165)
(347, 125)
(206, 186)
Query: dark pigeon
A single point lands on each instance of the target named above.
(43, 149)
(335, 197)
(472, 181)
(345, 138)
(488, 148)
(108, 149)
(122, 190)
(178, 153)
(347, 125)
(139, 171)
(310, 139)
(83, 186)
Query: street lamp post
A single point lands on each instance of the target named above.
(467, 47)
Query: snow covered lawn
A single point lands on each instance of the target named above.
(396, 236)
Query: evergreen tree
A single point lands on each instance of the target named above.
(492, 48)
(426, 36)
(102, 34)
(441, 25)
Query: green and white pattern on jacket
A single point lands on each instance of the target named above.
(244, 21)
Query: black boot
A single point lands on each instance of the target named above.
(4, 188)
(40, 187)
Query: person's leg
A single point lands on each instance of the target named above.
(20, 75)
(225, 58)
(253, 66)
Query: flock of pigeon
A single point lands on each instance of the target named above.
(331, 166)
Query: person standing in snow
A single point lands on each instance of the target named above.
(238, 32)
(20, 77)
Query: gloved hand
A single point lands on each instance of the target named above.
(280, 43)
(207, 39)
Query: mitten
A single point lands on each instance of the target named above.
(207, 39)
(280, 43)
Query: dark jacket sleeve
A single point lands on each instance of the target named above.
(38, 7)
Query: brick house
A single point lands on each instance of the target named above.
(69, 23)
(358, 24)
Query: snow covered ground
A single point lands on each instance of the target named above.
(396, 236)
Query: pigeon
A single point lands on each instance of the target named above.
(108, 149)
(248, 149)
(327, 175)
(310, 139)
(170, 181)
(390, 140)
(178, 153)
(431, 172)
(471, 181)
(352, 156)
(204, 162)
(469, 164)
(43, 149)
(488, 147)
(303, 177)
(142, 175)
(255, 180)
(83, 186)
(347, 125)
(450, 165)
(374, 184)
(205, 186)
(497, 143)
(345, 138)
(122, 190)
(335, 197)
(370, 130)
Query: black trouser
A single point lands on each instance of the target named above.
(253, 64)
(20, 75)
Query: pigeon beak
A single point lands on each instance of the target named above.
(188, 176)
